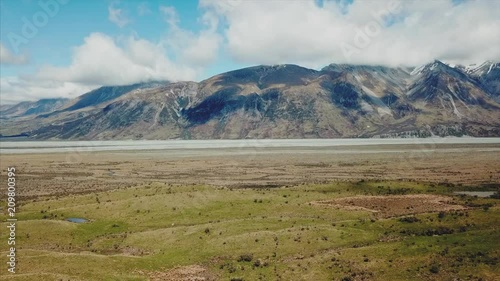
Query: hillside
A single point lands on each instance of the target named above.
(281, 101)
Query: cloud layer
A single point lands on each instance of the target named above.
(18, 89)
(100, 60)
(386, 32)
(311, 33)
(193, 48)
(7, 57)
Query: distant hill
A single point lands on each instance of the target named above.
(281, 101)
(31, 108)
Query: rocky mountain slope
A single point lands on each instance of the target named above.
(31, 108)
(282, 101)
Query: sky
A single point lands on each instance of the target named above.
(64, 48)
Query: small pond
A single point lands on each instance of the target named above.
(476, 193)
(77, 220)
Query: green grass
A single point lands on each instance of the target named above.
(167, 226)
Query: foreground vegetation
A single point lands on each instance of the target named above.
(254, 234)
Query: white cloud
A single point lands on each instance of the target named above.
(303, 32)
(117, 16)
(16, 89)
(271, 32)
(100, 60)
(103, 60)
(198, 49)
(7, 57)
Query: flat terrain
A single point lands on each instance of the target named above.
(383, 212)
(84, 171)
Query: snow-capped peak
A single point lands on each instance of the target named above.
(480, 69)
(417, 70)
(428, 67)
(475, 69)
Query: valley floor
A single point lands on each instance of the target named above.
(365, 213)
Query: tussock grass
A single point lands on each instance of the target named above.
(279, 233)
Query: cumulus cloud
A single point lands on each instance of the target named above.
(100, 60)
(18, 89)
(117, 16)
(386, 32)
(311, 33)
(193, 48)
(7, 57)
(103, 60)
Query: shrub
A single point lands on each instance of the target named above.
(439, 231)
(486, 207)
(434, 269)
(441, 214)
(409, 219)
(245, 257)
(496, 195)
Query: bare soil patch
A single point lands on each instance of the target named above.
(394, 205)
(133, 251)
(183, 273)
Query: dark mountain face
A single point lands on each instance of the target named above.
(101, 95)
(489, 77)
(265, 76)
(441, 86)
(216, 105)
(107, 93)
(343, 94)
(285, 101)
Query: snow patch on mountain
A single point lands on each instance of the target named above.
(479, 69)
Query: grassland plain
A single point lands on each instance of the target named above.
(254, 234)
(274, 230)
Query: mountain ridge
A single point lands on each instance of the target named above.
(282, 101)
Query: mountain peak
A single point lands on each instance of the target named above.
(432, 66)
(480, 69)
(350, 67)
(265, 75)
(276, 101)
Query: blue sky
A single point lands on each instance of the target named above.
(79, 45)
(77, 19)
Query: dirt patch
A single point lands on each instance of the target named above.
(394, 205)
(132, 251)
(183, 273)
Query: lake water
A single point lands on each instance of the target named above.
(13, 147)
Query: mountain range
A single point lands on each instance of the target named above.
(280, 101)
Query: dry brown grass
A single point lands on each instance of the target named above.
(59, 174)
(183, 273)
(394, 205)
